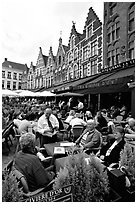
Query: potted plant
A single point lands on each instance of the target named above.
(127, 165)
(89, 179)
(10, 189)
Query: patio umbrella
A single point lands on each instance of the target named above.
(46, 93)
(70, 94)
(27, 93)
(6, 92)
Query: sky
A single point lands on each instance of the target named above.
(30, 24)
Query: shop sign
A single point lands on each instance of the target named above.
(60, 195)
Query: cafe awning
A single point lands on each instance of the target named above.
(109, 83)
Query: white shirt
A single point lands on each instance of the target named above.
(80, 106)
(77, 121)
(43, 123)
(69, 118)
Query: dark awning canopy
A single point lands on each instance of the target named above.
(109, 83)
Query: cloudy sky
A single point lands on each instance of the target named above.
(30, 24)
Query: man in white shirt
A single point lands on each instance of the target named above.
(48, 125)
(80, 105)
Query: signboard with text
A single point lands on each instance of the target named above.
(60, 195)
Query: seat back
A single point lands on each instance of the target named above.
(77, 131)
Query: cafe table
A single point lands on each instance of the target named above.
(51, 147)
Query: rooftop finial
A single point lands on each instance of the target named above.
(73, 23)
(60, 33)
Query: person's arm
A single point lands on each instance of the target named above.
(56, 123)
(80, 137)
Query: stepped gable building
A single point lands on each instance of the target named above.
(83, 60)
(31, 77)
(12, 74)
(49, 70)
(60, 70)
(40, 70)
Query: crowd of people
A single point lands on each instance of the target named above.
(49, 122)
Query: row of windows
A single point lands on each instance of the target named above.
(9, 75)
(88, 51)
(10, 85)
(113, 33)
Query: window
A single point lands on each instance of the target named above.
(14, 76)
(75, 53)
(70, 57)
(3, 74)
(20, 76)
(85, 53)
(89, 31)
(72, 42)
(94, 67)
(3, 84)
(49, 61)
(8, 84)
(113, 57)
(76, 75)
(88, 70)
(112, 10)
(59, 60)
(131, 18)
(113, 32)
(94, 48)
(19, 87)
(14, 85)
(9, 75)
(117, 55)
(131, 50)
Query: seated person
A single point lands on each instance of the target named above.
(110, 153)
(130, 129)
(70, 116)
(24, 125)
(88, 115)
(90, 138)
(58, 116)
(101, 123)
(77, 121)
(29, 164)
(48, 125)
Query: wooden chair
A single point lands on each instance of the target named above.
(6, 135)
(23, 183)
(76, 132)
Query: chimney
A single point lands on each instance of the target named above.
(5, 59)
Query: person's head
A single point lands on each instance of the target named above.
(77, 115)
(91, 124)
(131, 122)
(119, 132)
(27, 142)
(48, 112)
(88, 113)
(72, 112)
